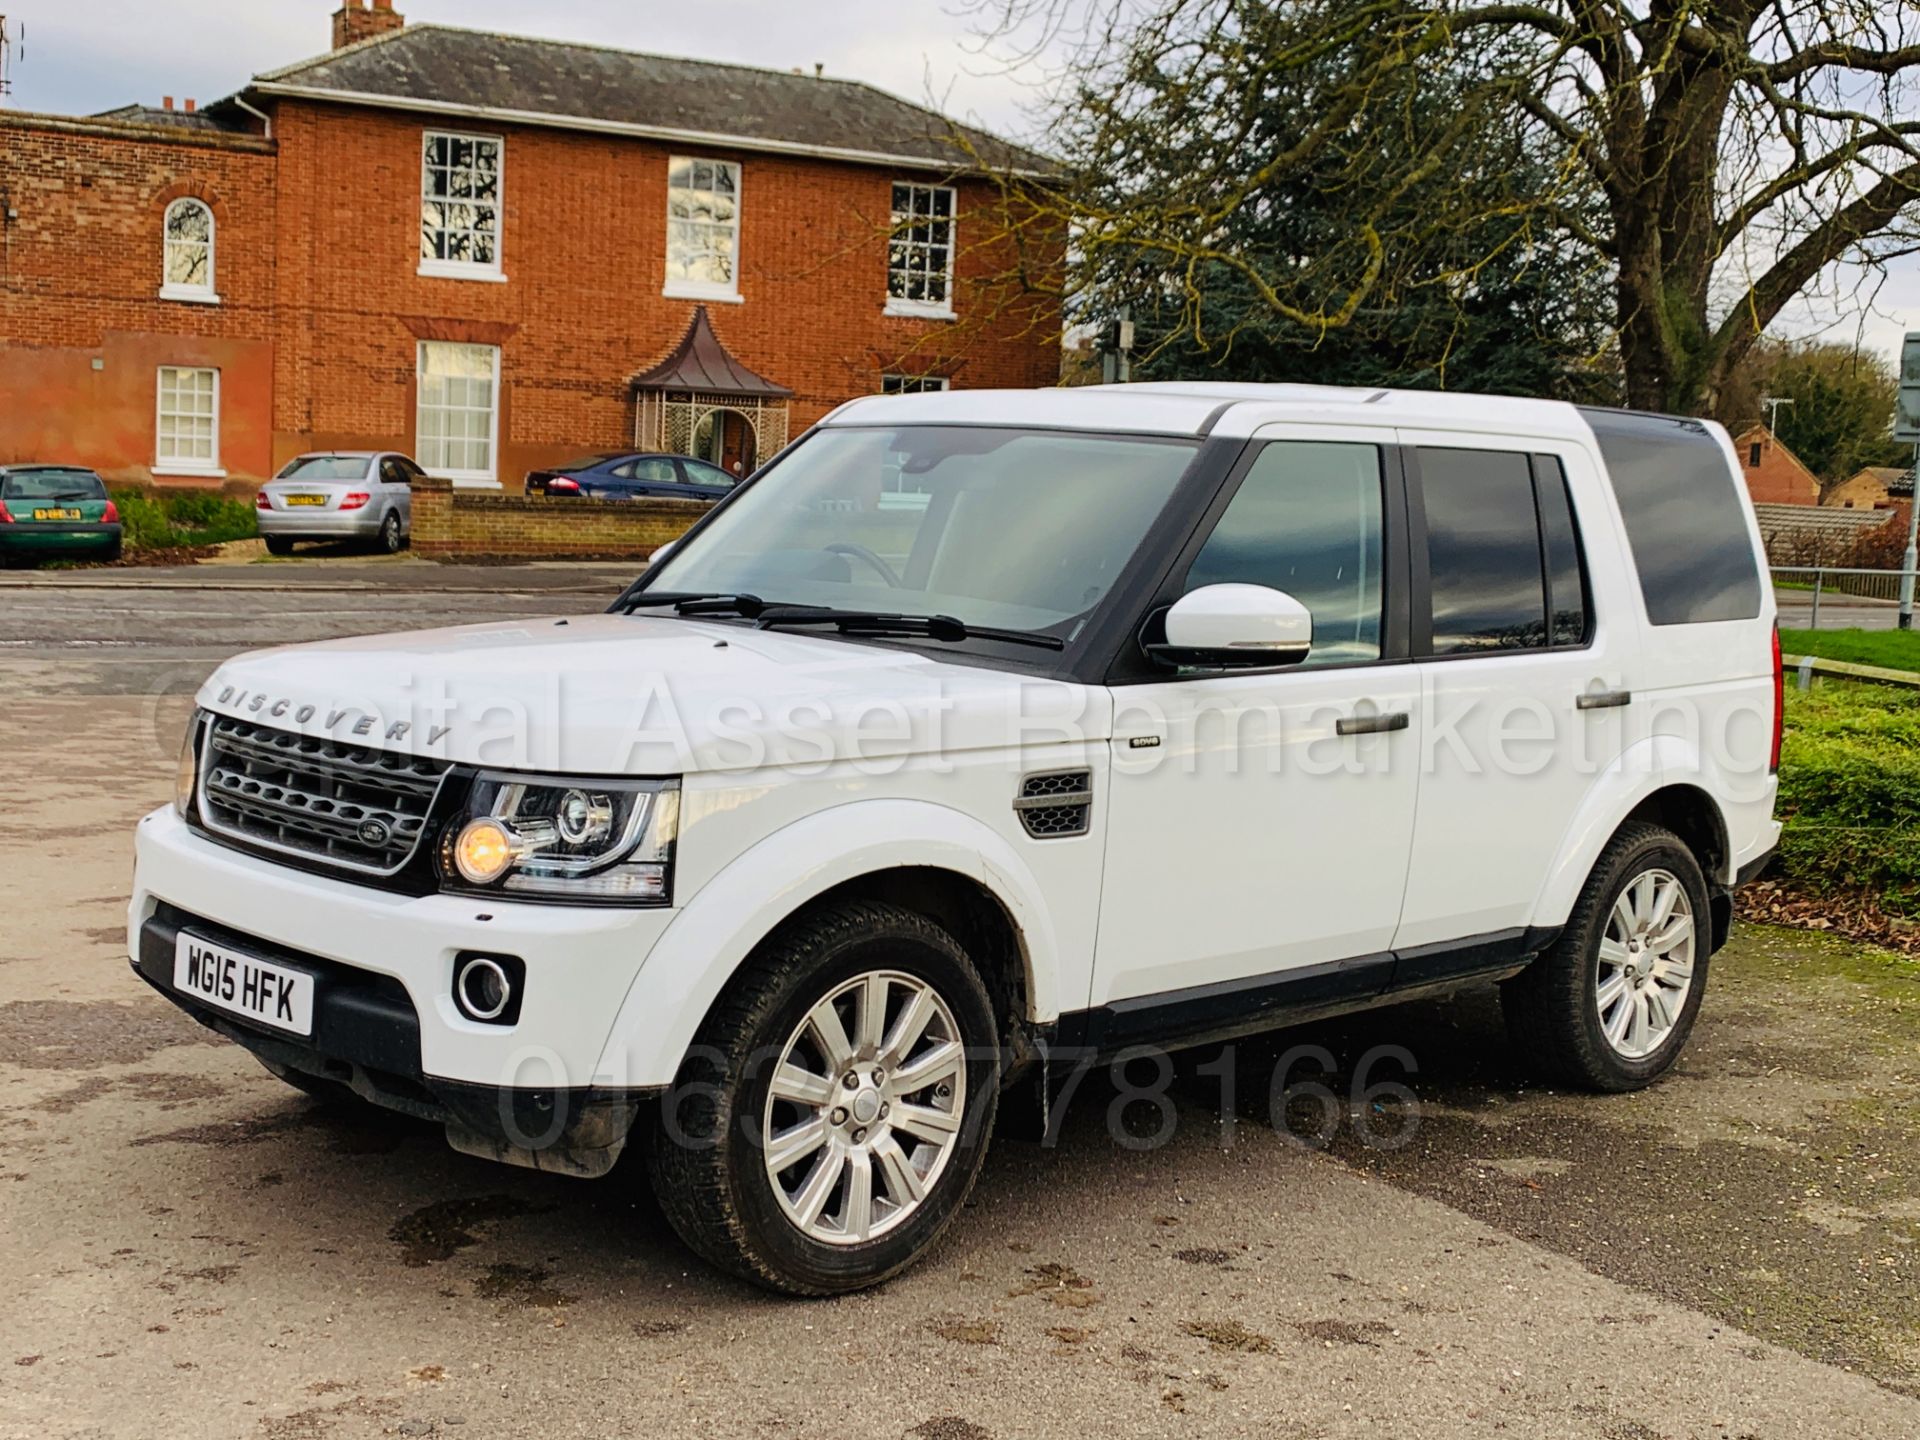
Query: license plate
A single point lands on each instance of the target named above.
(263, 992)
(305, 499)
(56, 514)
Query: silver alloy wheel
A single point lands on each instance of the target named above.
(865, 1107)
(1646, 963)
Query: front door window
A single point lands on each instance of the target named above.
(1300, 832)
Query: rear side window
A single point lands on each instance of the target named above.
(1685, 524)
(1560, 549)
(1483, 552)
(52, 485)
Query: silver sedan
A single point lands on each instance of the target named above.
(361, 495)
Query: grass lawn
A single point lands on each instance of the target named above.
(1850, 791)
(1893, 649)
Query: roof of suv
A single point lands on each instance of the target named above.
(1227, 408)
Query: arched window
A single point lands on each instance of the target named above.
(189, 252)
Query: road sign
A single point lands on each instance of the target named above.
(1906, 415)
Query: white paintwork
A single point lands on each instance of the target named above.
(1493, 798)
(1240, 617)
(809, 761)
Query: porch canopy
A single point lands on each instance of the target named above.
(697, 379)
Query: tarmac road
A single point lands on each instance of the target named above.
(190, 1248)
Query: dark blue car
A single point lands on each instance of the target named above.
(627, 476)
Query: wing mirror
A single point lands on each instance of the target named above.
(660, 553)
(1235, 627)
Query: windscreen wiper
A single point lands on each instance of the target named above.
(878, 622)
(694, 602)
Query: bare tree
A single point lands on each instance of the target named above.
(1718, 156)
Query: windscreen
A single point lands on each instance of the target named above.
(52, 485)
(1019, 529)
(327, 467)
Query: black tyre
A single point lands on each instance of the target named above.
(392, 537)
(279, 546)
(1611, 1005)
(836, 1106)
(114, 551)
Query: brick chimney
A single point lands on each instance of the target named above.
(354, 22)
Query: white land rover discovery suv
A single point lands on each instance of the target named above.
(980, 727)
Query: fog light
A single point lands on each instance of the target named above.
(484, 851)
(483, 989)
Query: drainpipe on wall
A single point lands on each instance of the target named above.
(260, 115)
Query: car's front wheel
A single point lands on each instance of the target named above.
(1611, 1005)
(836, 1107)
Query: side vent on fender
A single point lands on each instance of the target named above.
(1056, 804)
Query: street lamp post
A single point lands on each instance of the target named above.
(1906, 426)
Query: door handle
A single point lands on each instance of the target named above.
(1371, 724)
(1603, 699)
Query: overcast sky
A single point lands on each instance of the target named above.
(87, 55)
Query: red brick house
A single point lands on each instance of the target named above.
(489, 250)
(1774, 474)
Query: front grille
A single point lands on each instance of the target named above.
(344, 805)
(1056, 804)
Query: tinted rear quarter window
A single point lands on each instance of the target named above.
(1685, 524)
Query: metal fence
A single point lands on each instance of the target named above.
(1800, 588)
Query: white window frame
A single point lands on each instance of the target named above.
(679, 288)
(473, 479)
(900, 304)
(892, 384)
(438, 269)
(191, 294)
(207, 469)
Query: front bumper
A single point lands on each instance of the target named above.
(580, 962)
(317, 524)
(366, 1037)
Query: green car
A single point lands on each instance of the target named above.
(58, 512)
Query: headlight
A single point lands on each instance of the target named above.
(551, 837)
(186, 775)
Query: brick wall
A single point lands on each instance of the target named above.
(82, 326)
(451, 524)
(584, 252)
(322, 308)
(1773, 473)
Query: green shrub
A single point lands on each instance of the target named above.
(167, 519)
(1850, 791)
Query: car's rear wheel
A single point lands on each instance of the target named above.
(276, 545)
(835, 1109)
(1611, 1005)
(392, 537)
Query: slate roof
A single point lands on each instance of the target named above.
(178, 119)
(568, 83)
(701, 362)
